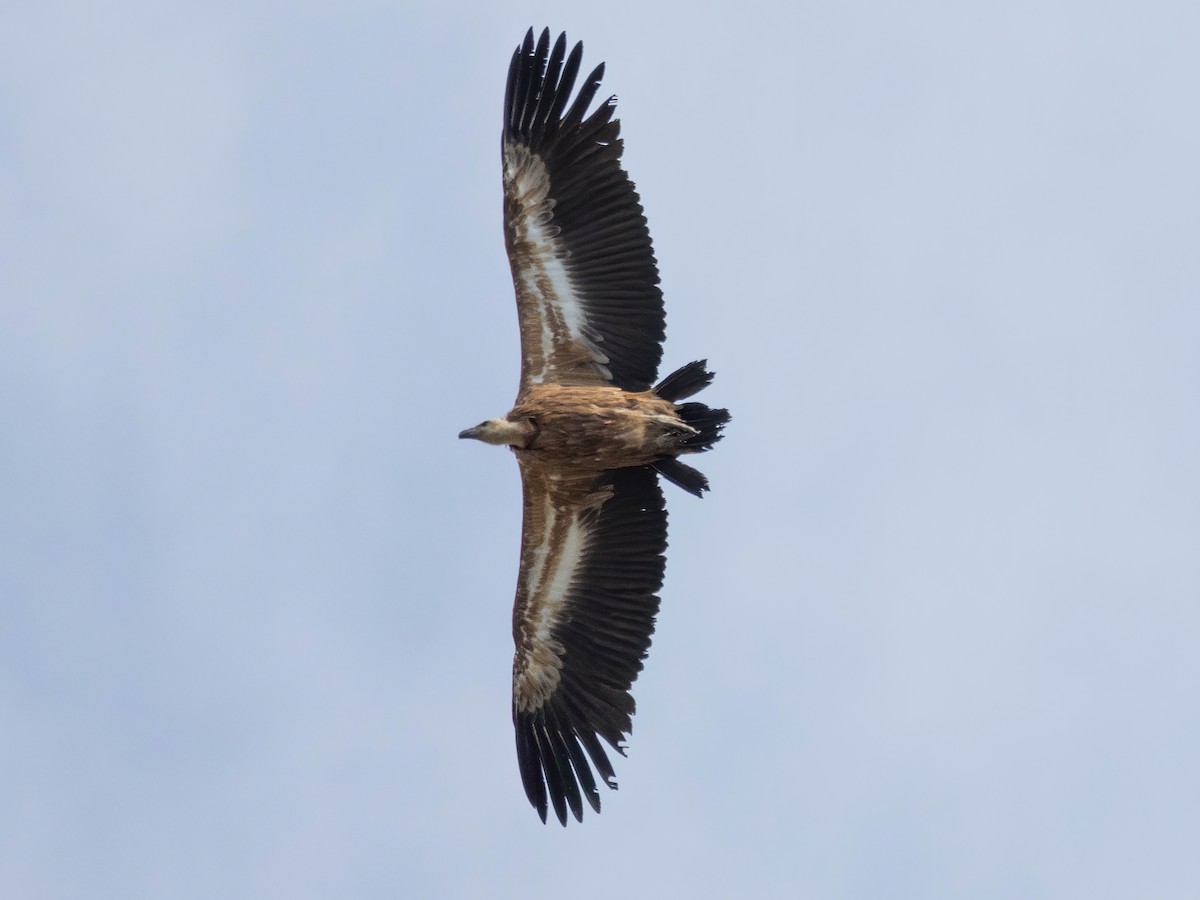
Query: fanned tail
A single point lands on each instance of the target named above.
(708, 423)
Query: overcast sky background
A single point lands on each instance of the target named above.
(933, 634)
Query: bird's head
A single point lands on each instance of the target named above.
(501, 432)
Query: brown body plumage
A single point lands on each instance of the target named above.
(590, 434)
(597, 427)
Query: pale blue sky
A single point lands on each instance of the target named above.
(934, 632)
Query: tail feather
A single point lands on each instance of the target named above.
(681, 475)
(684, 382)
(708, 423)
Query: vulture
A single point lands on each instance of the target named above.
(591, 428)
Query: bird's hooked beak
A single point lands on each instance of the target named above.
(501, 432)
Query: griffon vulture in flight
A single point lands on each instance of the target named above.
(590, 429)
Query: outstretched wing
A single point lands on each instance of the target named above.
(591, 566)
(588, 300)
